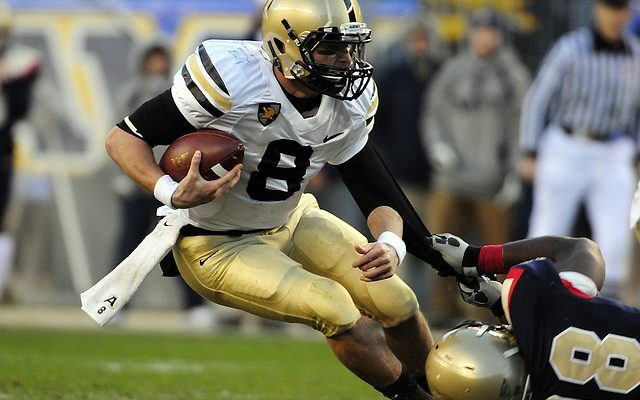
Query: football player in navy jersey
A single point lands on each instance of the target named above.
(301, 98)
(575, 344)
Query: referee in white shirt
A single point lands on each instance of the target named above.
(579, 130)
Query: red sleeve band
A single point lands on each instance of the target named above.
(490, 260)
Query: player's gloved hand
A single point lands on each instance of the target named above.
(482, 292)
(457, 253)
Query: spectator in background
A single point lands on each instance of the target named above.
(19, 67)
(403, 83)
(579, 130)
(151, 65)
(634, 25)
(470, 130)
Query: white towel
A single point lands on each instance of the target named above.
(104, 299)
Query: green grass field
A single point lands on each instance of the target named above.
(113, 365)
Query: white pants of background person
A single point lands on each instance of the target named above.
(573, 168)
(7, 250)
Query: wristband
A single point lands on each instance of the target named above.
(164, 189)
(470, 261)
(394, 241)
(490, 260)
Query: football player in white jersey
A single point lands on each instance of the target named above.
(300, 99)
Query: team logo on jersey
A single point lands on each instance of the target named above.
(268, 112)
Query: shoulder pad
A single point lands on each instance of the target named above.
(218, 73)
(367, 103)
(580, 282)
(372, 97)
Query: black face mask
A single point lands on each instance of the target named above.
(346, 83)
(342, 84)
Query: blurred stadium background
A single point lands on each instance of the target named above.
(64, 212)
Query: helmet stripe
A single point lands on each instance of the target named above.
(292, 35)
(350, 10)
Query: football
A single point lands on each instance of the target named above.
(221, 151)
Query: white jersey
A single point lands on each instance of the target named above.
(231, 86)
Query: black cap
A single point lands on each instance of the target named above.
(485, 17)
(615, 3)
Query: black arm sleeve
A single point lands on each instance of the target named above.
(158, 121)
(372, 185)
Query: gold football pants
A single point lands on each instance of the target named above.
(299, 272)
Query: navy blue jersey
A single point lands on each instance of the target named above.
(574, 346)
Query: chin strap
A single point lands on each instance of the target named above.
(274, 57)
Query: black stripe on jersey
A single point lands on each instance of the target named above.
(199, 96)
(211, 69)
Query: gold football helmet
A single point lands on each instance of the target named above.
(479, 362)
(293, 29)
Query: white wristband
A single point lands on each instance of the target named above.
(164, 189)
(394, 241)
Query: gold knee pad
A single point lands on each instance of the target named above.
(390, 301)
(325, 245)
(332, 305)
(262, 280)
